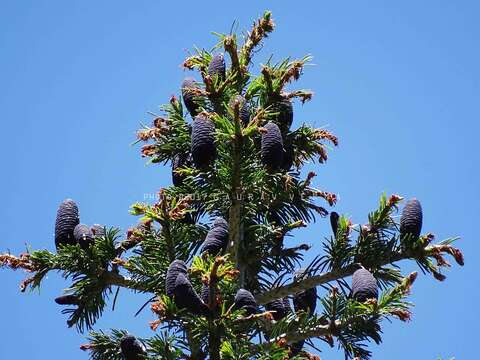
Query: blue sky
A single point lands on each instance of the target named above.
(399, 85)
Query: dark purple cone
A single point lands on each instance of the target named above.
(67, 219)
(83, 236)
(244, 112)
(178, 161)
(280, 307)
(98, 230)
(364, 285)
(245, 300)
(186, 297)
(189, 97)
(205, 293)
(220, 222)
(272, 146)
(286, 305)
(284, 109)
(305, 300)
(67, 300)
(288, 155)
(188, 219)
(217, 66)
(273, 217)
(174, 269)
(203, 142)
(132, 348)
(411, 220)
(217, 237)
(295, 348)
(334, 222)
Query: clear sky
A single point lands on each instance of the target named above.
(398, 83)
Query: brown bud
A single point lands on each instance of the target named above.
(86, 347)
(394, 200)
(148, 150)
(402, 315)
(438, 276)
(155, 324)
(174, 100)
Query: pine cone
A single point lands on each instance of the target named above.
(203, 142)
(174, 269)
(411, 220)
(83, 236)
(244, 111)
(295, 348)
(178, 161)
(189, 98)
(305, 300)
(284, 109)
(67, 300)
(364, 285)
(245, 300)
(220, 222)
(288, 155)
(281, 308)
(286, 305)
(188, 219)
(334, 222)
(187, 298)
(273, 217)
(67, 219)
(205, 293)
(217, 66)
(132, 348)
(98, 230)
(272, 147)
(217, 238)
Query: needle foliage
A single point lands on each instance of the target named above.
(262, 205)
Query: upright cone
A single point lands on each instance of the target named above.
(364, 285)
(83, 236)
(411, 220)
(67, 219)
(203, 142)
(284, 113)
(279, 307)
(305, 300)
(188, 94)
(132, 348)
(217, 66)
(179, 161)
(334, 222)
(217, 237)
(186, 297)
(272, 147)
(174, 269)
(245, 300)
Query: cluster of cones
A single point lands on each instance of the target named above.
(276, 151)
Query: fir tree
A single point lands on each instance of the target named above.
(210, 250)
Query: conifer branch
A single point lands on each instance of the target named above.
(419, 255)
(260, 30)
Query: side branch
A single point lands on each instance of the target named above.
(109, 278)
(317, 331)
(260, 30)
(434, 251)
(324, 331)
